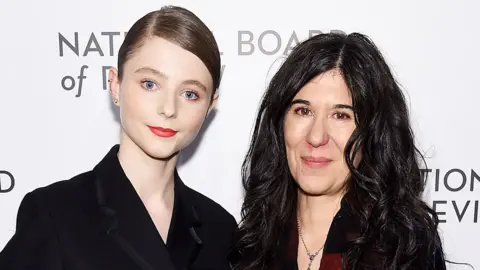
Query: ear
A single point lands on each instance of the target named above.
(212, 103)
(114, 85)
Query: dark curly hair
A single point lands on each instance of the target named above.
(384, 190)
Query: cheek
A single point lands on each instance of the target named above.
(342, 134)
(295, 133)
(192, 115)
(135, 103)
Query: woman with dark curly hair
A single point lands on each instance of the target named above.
(333, 178)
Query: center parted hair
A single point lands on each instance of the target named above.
(179, 26)
(398, 230)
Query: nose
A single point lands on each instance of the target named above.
(167, 105)
(318, 135)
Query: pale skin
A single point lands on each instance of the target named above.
(317, 127)
(165, 86)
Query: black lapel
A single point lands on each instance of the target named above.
(184, 238)
(126, 219)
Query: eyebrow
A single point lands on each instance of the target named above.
(343, 106)
(300, 101)
(163, 75)
(196, 83)
(152, 71)
(306, 102)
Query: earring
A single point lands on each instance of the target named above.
(115, 101)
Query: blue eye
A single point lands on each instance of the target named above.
(148, 85)
(190, 95)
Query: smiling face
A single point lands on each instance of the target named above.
(317, 127)
(164, 96)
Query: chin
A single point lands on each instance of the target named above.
(315, 186)
(312, 191)
(160, 151)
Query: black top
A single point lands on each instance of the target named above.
(344, 227)
(96, 220)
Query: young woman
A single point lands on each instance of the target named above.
(332, 177)
(132, 211)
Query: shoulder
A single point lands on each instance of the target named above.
(209, 211)
(62, 194)
(74, 186)
(40, 217)
(429, 239)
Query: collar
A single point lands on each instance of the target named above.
(128, 223)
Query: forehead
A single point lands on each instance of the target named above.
(326, 87)
(172, 60)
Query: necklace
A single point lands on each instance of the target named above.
(311, 256)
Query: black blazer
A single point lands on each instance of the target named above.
(96, 221)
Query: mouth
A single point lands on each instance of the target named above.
(316, 162)
(162, 132)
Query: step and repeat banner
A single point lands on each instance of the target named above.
(56, 117)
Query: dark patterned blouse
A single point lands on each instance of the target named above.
(342, 228)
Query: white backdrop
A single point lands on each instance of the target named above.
(48, 133)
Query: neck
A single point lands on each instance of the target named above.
(315, 213)
(149, 176)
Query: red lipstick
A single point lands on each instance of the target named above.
(316, 162)
(162, 132)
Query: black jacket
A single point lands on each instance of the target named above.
(97, 221)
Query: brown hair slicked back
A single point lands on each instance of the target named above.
(179, 26)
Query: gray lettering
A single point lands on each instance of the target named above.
(96, 48)
(475, 213)
(437, 181)
(293, 39)
(241, 42)
(11, 180)
(105, 70)
(424, 173)
(110, 39)
(434, 206)
(474, 177)
(464, 180)
(80, 80)
(62, 40)
(460, 215)
(64, 83)
(260, 42)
